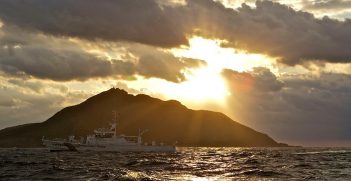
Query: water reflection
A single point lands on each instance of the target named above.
(186, 164)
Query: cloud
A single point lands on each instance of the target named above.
(26, 54)
(34, 100)
(19, 107)
(58, 64)
(327, 5)
(148, 67)
(290, 108)
(280, 31)
(36, 86)
(36, 43)
(259, 80)
(123, 20)
(269, 28)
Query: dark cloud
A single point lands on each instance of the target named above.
(259, 80)
(269, 28)
(169, 69)
(295, 36)
(129, 20)
(59, 64)
(293, 107)
(24, 54)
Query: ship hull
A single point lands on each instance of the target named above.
(129, 148)
(56, 146)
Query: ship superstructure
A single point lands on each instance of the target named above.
(106, 139)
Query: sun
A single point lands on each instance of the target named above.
(201, 86)
(204, 84)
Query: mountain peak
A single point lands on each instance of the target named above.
(117, 91)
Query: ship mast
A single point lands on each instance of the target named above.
(114, 123)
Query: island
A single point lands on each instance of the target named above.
(168, 122)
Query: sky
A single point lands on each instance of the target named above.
(281, 67)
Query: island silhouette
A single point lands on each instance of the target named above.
(169, 122)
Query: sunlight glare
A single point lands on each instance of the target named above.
(205, 83)
(219, 58)
(201, 85)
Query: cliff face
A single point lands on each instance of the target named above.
(167, 121)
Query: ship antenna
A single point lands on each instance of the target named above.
(114, 121)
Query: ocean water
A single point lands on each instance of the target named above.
(186, 164)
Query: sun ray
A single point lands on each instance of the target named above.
(219, 57)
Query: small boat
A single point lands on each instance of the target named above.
(106, 139)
